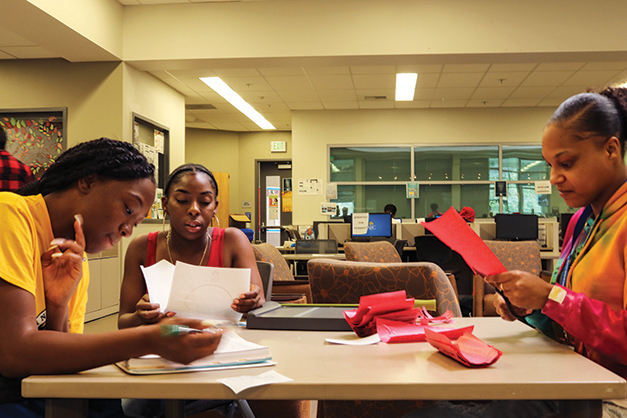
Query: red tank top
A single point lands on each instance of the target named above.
(216, 258)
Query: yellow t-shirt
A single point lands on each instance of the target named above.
(26, 235)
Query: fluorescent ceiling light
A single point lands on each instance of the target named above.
(236, 100)
(405, 86)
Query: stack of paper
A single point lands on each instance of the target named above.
(232, 352)
(196, 291)
(466, 349)
(392, 305)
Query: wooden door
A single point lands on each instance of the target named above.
(223, 197)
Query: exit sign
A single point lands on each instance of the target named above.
(278, 146)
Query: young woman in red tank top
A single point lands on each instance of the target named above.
(191, 200)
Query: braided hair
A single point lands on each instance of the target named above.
(107, 158)
(180, 171)
(602, 114)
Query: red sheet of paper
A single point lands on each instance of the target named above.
(403, 332)
(391, 305)
(466, 349)
(452, 230)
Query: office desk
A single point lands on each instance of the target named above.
(532, 367)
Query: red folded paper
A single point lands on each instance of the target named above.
(453, 231)
(402, 332)
(466, 349)
(426, 318)
(391, 305)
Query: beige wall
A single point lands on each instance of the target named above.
(235, 153)
(313, 131)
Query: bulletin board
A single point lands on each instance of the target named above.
(36, 137)
(153, 141)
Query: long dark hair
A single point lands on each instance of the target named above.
(602, 114)
(107, 158)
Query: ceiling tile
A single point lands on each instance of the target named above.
(327, 82)
(547, 78)
(520, 102)
(415, 104)
(460, 79)
(448, 103)
(554, 103)
(337, 95)
(453, 93)
(591, 78)
(305, 105)
(389, 93)
(247, 83)
(290, 82)
(531, 92)
(427, 80)
(375, 81)
(611, 65)
(564, 92)
(269, 96)
(483, 93)
(559, 66)
(299, 96)
(503, 79)
(525, 67)
(424, 94)
(236, 72)
(270, 107)
(485, 103)
(327, 70)
(230, 126)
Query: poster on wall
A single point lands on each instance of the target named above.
(273, 201)
(35, 137)
(412, 190)
(310, 186)
(331, 191)
(286, 195)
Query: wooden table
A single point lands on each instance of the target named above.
(532, 367)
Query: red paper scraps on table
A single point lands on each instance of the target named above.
(453, 231)
(402, 332)
(391, 305)
(427, 318)
(466, 349)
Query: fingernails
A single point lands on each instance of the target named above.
(57, 255)
(57, 241)
(79, 218)
(52, 248)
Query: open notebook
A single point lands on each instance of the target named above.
(232, 352)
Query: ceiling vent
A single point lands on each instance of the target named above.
(376, 97)
(208, 106)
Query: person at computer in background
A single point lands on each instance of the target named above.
(87, 200)
(190, 198)
(585, 303)
(13, 173)
(434, 211)
(391, 209)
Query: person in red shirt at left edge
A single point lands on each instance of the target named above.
(13, 173)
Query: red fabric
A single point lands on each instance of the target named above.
(453, 231)
(13, 173)
(466, 349)
(216, 253)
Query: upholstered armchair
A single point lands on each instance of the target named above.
(374, 252)
(283, 282)
(339, 281)
(515, 255)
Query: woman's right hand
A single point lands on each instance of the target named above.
(150, 313)
(186, 348)
(503, 310)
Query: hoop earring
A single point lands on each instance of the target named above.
(217, 220)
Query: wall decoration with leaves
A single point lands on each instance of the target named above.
(35, 136)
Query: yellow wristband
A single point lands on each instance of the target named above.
(557, 294)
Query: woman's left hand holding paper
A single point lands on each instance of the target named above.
(62, 272)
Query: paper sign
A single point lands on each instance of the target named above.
(413, 190)
(360, 223)
(328, 208)
(543, 187)
(331, 191)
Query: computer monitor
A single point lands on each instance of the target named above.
(516, 227)
(379, 226)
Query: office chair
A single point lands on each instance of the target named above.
(376, 252)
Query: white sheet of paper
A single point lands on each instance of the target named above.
(240, 383)
(360, 223)
(354, 340)
(158, 279)
(207, 292)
